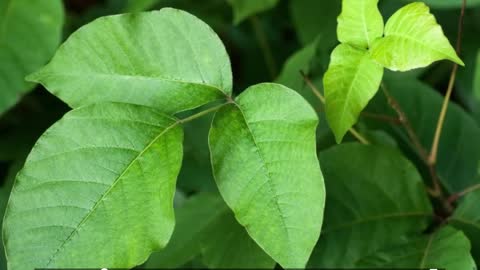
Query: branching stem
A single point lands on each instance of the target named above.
(200, 114)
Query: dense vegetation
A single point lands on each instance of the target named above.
(240, 134)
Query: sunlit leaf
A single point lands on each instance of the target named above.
(88, 182)
(166, 59)
(277, 193)
(413, 39)
(360, 23)
(351, 81)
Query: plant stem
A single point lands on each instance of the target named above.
(264, 46)
(319, 95)
(380, 117)
(462, 193)
(200, 114)
(432, 158)
(403, 119)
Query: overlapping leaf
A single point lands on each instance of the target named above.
(446, 249)
(413, 39)
(351, 81)
(96, 190)
(266, 168)
(29, 34)
(167, 59)
(467, 219)
(375, 199)
(360, 23)
(459, 150)
(206, 226)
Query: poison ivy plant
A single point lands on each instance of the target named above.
(23, 24)
(411, 39)
(114, 159)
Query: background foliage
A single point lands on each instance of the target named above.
(379, 188)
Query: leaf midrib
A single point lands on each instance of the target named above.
(86, 217)
(398, 35)
(136, 76)
(268, 175)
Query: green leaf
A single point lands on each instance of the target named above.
(360, 23)
(266, 168)
(140, 5)
(88, 182)
(313, 18)
(227, 245)
(24, 24)
(166, 59)
(459, 150)
(447, 3)
(446, 249)
(352, 79)
(375, 198)
(413, 39)
(467, 219)
(476, 79)
(216, 235)
(242, 9)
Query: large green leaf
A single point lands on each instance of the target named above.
(87, 184)
(413, 39)
(467, 219)
(445, 249)
(29, 34)
(313, 18)
(360, 23)
(375, 198)
(351, 81)
(266, 168)
(459, 151)
(167, 59)
(206, 226)
(243, 9)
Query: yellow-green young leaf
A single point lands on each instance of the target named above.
(96, 190)
(446, 248)
(242, 9)
(166, 59)
(413, 39)
(360, 23)
(30, 31)
(265, 164)
(352, 79)
(375, 198)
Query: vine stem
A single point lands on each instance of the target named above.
(319, 95)
(202, 113)
(462, 193)
(432, 158)
(264, 46)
